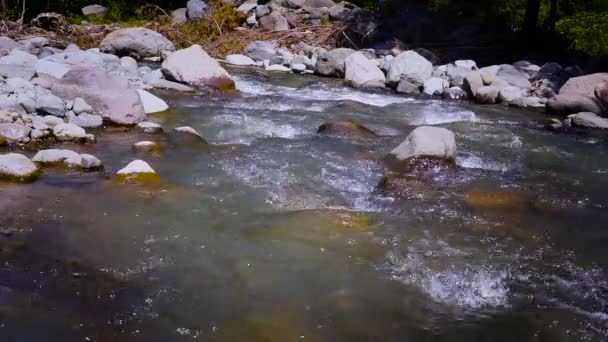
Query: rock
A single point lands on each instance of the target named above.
(422, 147)
(118, 103)
(487, 78)
(262, 10)
(150, 127)
(70, 132)
(7, 44)
(431, 57)
(524, 102)
(346, 128)
(472, 82)
(487, 95)
(319, 3)
(57, 157)
(338, 12)
(148, 146)
(130, 65)
(164, 84)
(406, 87)
(553, 124)
(195, 67)
(260, 50)
(93, 10)
(189, 130)
(549, 79)
(295, 3)
(17, 71)
(20, 58)
(454, 93)
(247, 6)
(51, 120)
(514, 77)
(50, 68)
(137, 42)
(601, 94)
(197, 9)
(363, 72)
(466, 64)
(588, 119)
(508, 94)
(17, 167)
(179, 16)
(274, 22)
(303, 60)
(251, 20)
(578, 95)
(85, 120)
(239, 60)
(332, 63)
(152, 104)
(81, 106)
(574, 70)
(277, 67)
(137, 170)
(435, 86)
(298, 68)
(410, 66)
(14, 132)
(456, 74)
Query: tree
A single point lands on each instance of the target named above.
(531, 18)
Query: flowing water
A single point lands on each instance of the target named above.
(274, 233)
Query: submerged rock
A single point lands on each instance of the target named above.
(139, 171)
(496, 199)
(424, 147)
(17, 167)
(188, 130)
(148, 146)
(346, 128)
(588, 119)
(195, 67)
(150, 127)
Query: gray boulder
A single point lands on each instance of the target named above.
(435, 86)
(118, 103)
(193, 66)
(239, 60)
(332, 63)
(509, 94)
(514, 77)
(85, 120)
(275, 21)
(14, 166)
(17, 71)
(196, 9)
(472, 82)
(487, 95)
(363, 72)
(588, 119)
(15, 133)
(319, 3)
(406, 87)
(179, 16)
(21, 58)
(424, 143)
(579, 95)
(92, 10)
(260, 50)
(50, 104)
(262, 10)
(549, 79)
(409, 65)
(137, 42)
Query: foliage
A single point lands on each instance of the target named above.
(588, 32)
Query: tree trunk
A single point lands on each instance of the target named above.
(531, 21)
(553, 15)
(4, 8)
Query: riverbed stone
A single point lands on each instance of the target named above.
(578, 95)
(150, 127)
(20, 71)
(275, 21)
(435, 86)
(425, 143)
(179, 16)
(472, 82)
(588, 119)
(85, 120)
(152, 103)
(454, 93)
(407, 87)
(188, 130)
(260, 50)
(193, 66)
(411, 66)
(487, 95)
(20, 58)
(240, 60)
(138, 170)
(147, 146)
(17, 167)
(331, 63)
(197, 9)
(514, 77)
(81, 106)
(136, 42)
(363, 72)
(346, 128)
(70, 132)
(15, 132)
(509, 94)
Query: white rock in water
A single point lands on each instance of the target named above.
(85, 120)
(81, 106)
(410, 66)
(90, 162)
(426, 141)
(14, 132)
(150, 127)
(146, 146)
(277, 67)
(435, 86)
(298, 67)
(195, 67)
(53, 156)
(135, 167)
(239, 60)
(189, 130)
(69, 132)
(52, 120)
(17, 166)
(152, 104)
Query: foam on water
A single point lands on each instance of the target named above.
(244, 129)
(436, 114)
(471, 161)
(318, 92)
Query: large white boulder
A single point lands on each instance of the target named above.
(68, 158)
(136, 41)
(363, 72)
(152, 104)
(195, 67)
(427, 141)
(14, 166)
(410, 66)
(69, 132)
(239, 60)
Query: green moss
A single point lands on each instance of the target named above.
(25, 179)
(140, 178)
(3, 141)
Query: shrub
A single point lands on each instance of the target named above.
(588, 32)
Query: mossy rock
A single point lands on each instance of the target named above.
(346, 128)
(139, 178)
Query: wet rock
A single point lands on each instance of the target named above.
(118, 103)
(147, 146)
(298, 68)
(260, 50)
(57, 157)
(456, 74)
(240, 60)
(277, 67)
(332, 63)
(138, 171)
(553, 124)
(193, 66)
(136, 42)
(150, 127)
(189, 131)
(152, 104)
(197, 9)
(496, 199)
(410, 66)
(588, 119)
(81, 106)
(94, 10)
(578, 95)
(71, 132)
(549, 79)
(363, 72)
(15, 133)
(435, 86)
(454, 93)
(17, 167)
(346, 128)
(425, 146)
